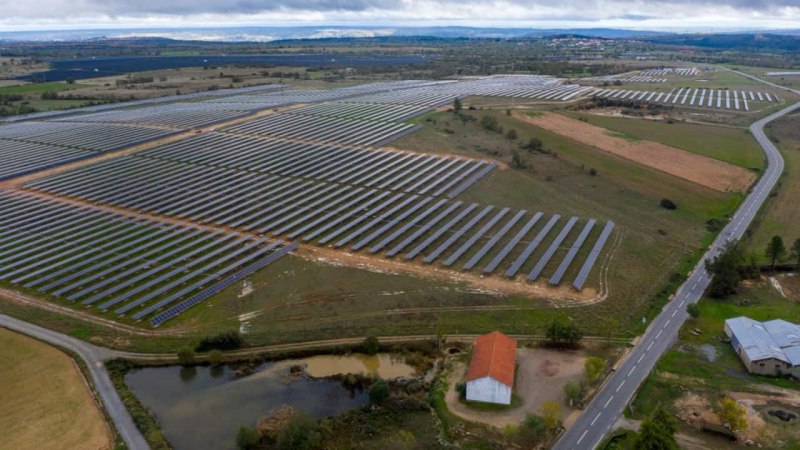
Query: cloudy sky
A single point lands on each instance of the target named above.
(674, 15)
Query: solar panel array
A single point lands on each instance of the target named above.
(118, 262)
(150, 101)
(181, 116)
(18, 158)
(626, 79)
(357, 216)
(696, 97)
(688, 72)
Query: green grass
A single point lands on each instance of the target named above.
(28, 89)
(733, 145)
(780, 216)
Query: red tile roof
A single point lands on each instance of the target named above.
(494, 355)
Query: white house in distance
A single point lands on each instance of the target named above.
(766, 348)
(490, 377)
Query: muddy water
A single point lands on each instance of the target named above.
(384, 366)
(203, 407)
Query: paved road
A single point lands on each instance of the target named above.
(600, 415)
(94, 357)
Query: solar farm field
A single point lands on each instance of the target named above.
(398, 216)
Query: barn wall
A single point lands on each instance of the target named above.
(488, 390)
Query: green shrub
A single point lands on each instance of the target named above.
(186, 356)
(215, 357)
(246, 438)
(371, 345)
(301, 432)
(378, 392)
(227, 340)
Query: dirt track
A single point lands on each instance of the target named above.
(714, 174)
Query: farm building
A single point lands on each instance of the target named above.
(490, 377)
(766, 348)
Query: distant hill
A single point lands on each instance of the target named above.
(759, 41)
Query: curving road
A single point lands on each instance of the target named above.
(94, 357)
(600, 415)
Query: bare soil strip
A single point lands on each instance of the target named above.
(709, 172)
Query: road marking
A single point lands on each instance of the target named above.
(608, 401)
(584, 434)
(640, 359)
(629, 373)
(651, 344)
(595, 418)
(682, 302)
(620, 386)
(675, 312)
(665, 325)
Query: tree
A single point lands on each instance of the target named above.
(796, 251)
(186, 356)
(517, 161)
(246, 438)
(457, 105)
(490, 123)
(668, 204)
(733, 414)
(534, 144)
(511, 134)
(656, 433)
(725, 271)
(534, 427)
(551, 415)
(301, 432)
(560, 332)
(775, 250)
(371, 345)
(215, 357)
(663, 418)
(378, 392)
(693, 310)
(573, 391)
(594, 367)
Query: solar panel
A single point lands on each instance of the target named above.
(562, 268)
(590, 261)
(537, 269)
(455, 236)
(440, 231)
(531, 247)
(472, 240)
(513, 242)
(493, 240)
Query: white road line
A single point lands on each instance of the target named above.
(674, 312)
(659, 333)
(595, 418)
(682, 302)
(634, 368)
(640, 359)
(620, 386)
(584, 434)
(665, 325)
(651, 344)
(607, 402)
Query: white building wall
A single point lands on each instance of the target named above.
(488, 390)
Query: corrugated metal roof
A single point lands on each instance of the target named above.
(776, 339)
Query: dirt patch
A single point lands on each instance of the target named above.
(697, 411)
(714, 174)
(541, 376)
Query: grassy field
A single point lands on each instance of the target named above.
(781, 216)
(44, 403)
(38, 88)
(732, 145)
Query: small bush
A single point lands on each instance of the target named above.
(246, 438)
(215, 357)
(668, 204)
(693, 310)
(511, 134)
(371, 345)
(301, 432)
(227, 340)
(186, 356)
(461, 388)
(378, 392)
(592, 171)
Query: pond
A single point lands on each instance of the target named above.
(203, 407)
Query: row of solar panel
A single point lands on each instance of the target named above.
(325, 213)
(691, 97)
(95, 256)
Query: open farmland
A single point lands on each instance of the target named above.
(44, 395)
